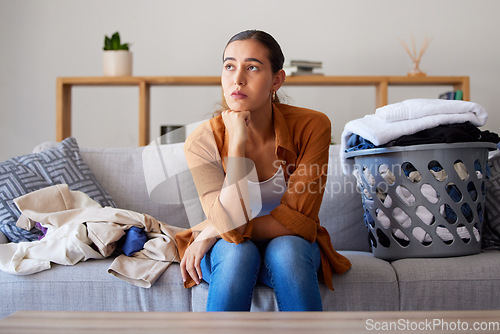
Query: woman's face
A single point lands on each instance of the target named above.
(247, 77)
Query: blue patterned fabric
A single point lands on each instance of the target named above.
(27, 173)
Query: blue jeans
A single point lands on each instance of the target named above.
(288, 264)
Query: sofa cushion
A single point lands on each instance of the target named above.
(87, 286)
(147, 180)
(341, 211)
(3, 238)
(23, 174)
(370, 285)
(465, 282)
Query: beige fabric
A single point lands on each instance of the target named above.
(75, 223)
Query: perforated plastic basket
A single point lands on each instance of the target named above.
(423, 200)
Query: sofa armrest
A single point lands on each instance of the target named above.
(3, 238)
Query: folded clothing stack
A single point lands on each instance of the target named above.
(413, 122)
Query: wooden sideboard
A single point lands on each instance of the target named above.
(381, 84)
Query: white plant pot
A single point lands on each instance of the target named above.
(117, 63)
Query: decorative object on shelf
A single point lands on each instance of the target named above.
(416, 57)
(117, 58)
(302, 67)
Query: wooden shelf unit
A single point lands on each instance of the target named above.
(381, 84)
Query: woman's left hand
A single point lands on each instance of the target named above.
(190, 263)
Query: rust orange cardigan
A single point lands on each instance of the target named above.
(303, 139)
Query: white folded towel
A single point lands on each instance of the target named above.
(418, 108)
(379, 131)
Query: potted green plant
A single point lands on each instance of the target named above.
(117, 58)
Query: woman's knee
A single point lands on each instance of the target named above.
(233, 255)
(290, 251)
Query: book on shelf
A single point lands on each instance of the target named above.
(302, 67)
(452, 95)
(295, 74)
(306, 63)
(294, 70)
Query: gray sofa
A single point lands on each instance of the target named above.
(466, 282)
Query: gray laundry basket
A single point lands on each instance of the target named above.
(423, 200)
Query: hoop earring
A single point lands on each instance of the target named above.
(273, 96)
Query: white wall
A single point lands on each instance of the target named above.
(41, 40)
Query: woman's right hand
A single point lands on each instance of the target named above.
(190, 263)
(236, 123)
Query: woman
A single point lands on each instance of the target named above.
(279, 243)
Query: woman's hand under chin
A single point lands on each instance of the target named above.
(236, 123)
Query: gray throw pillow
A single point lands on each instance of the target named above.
(23, 174)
